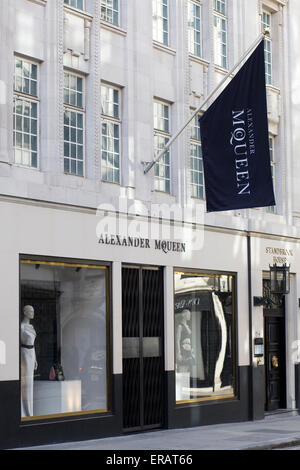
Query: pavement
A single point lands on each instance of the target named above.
(276, 431)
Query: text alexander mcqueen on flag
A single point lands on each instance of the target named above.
(235, 142)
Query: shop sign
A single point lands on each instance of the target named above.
(138, 242)
(279, 255)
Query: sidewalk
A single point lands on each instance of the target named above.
(273, 431)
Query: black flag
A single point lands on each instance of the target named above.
(235, 142)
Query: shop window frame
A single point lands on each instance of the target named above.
(236, 386)
(76, 415)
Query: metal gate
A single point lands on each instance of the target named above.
(143, 366)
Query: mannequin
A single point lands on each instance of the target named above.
(28, 361)
(184, 353)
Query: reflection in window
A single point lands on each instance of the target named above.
(160, 16)
(75, 3)
(266, 24)
(63, 338)
(204, 336)
(74, 123)
(220, 33)
(110, 11)
(194, 28)
(111, 133)
(197, 178)
(26, 113)
(162, 168)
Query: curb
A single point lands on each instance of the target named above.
(279, 445)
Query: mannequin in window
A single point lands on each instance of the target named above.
(184, 353)
(28, 361)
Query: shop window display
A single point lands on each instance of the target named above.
(63, 338)
(204, 336)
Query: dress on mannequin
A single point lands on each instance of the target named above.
(28, 365)
(185, 355)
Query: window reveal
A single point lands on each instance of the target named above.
(63, 338)
(204, 336)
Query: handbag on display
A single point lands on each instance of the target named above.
(56, 373)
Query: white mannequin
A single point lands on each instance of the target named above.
(28, 361)
(184, 352)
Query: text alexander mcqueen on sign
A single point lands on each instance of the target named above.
(138, 242)
(235, 142)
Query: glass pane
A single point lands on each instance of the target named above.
(26, 69)
(79, 84)
(18, 156)
(26, 109)
(204, 336)
(66, 133)
(73, 135)
(26, 143)
(67, 117)
(66, 150)
(66, 165)
(73, 150)
(26, 123)
(26, 88)
(80, 168)
(34, 71)
(26, 160)
(115, 18)
(73, 167)
(73, 119)
(80, 152)
(19, 126)
(79, 137)
(18, 84)
(18, 107)
(34, 126)
(33, 90)
(34, 160)
(33, 110)
(66, 97)
(18, 139)
(80, 121)
(72, 98)
(79, 100)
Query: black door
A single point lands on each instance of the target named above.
(143, 367)
(275, 360)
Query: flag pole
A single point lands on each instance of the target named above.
(149, 165)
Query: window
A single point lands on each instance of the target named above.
(73, 124)
(161, 138)
(220, 33)
(160, 21)
(64, 342)
(197, 182)
(272, 160)
(204, 336)
(75, 3)
(111, 133)
(266, 23)
(220, 6)
(110, 11)
(194, 28)
(26, 113)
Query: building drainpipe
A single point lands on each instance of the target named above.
(251, 410)
(256, 370)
